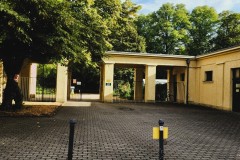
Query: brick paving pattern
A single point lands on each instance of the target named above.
(123, 131)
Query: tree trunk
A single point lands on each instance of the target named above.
(12, 67)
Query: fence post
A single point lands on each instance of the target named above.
(72, 123)
(161, 150)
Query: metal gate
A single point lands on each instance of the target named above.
(170, 92)
(42, 89)
(165, 92)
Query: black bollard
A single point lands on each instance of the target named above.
(71, 137)
(161, 150)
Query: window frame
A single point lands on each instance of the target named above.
(208, 76)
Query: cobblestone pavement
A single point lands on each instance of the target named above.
(123, 131)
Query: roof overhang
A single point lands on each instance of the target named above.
(127, 58)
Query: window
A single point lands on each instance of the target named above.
(236, 73)
(209, 76)
(182, 77)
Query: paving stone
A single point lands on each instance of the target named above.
(110, 131)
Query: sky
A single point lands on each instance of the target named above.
(220, 5)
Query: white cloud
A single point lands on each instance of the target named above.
(219, 5)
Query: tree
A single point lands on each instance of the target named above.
(228, 33)
(204, 23)
(144, 29)
(47, 30)
(166, 30)
(119, 18)
(124, 35)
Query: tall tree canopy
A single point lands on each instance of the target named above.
(228, 33)
(44, 30)
(166, 30)
(204, 24)
(124, 36)
(174, 30)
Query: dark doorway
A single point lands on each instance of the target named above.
(84, 82)
(236, 90)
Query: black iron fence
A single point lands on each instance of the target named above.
(165, 92)
(38, 89)
(170, 92)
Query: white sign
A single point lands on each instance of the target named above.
(161, 128)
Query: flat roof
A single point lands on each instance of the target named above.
(149, 54)
(214, 53)
(222, 51)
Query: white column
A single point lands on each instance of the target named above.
(33, 79)
(150, 78)
(107, 82)
(62, 83)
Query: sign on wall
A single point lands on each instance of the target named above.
(108, 84)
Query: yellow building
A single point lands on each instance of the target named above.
(212, 79)
(215, 80)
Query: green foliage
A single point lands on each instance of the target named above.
(50, 29)
(204, 23)
(166, 30)
(123, 89)
(108, 9)
(124, 74)
(46, 77)
(173, 30)
(124, 36)
(47, 70)
(124, 78)
(228, 33)
(119, 19)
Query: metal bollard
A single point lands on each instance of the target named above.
(72, 123)
(161, 150)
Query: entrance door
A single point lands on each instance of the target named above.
(236, 90)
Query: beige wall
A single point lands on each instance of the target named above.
(150, 61)
(217, 93)
(150, 77)
(146, 59)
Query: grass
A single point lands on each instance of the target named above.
(33, 111)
